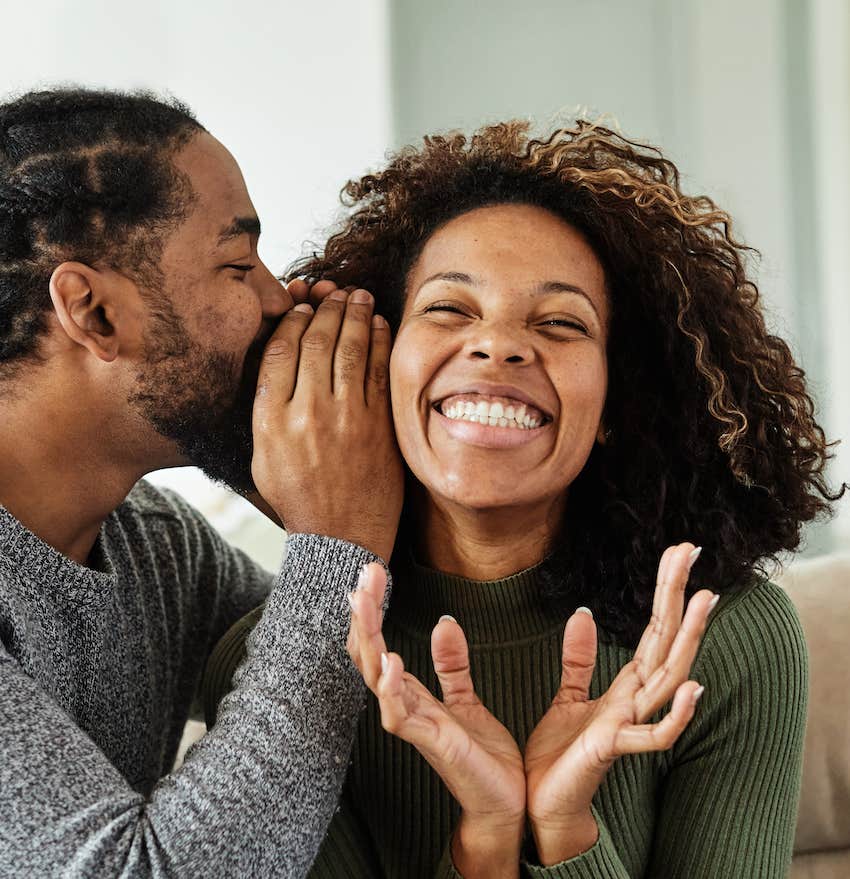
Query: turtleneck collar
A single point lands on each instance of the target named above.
(490, 611)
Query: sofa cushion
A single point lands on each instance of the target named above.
(820, 590)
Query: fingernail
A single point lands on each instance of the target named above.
(304, 308)
(713, 603)
(447, 616)
(350, 597)
(338, 295)
(586, 610)
(362, 297)
(385, 663)
(698, 693)
(362, 577)
(378, 321)
(693, 556)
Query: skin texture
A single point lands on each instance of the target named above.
(472, 492)
(508, 324)
(83, 426)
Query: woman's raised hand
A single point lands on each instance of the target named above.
(473, 753)
(578, 739)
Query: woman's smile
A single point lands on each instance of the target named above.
(504, 331)
(491, 421)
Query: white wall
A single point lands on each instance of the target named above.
(297, 91)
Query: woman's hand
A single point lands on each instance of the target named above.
(578, 739)
(475, 755)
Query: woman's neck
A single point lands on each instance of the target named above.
(483, 544)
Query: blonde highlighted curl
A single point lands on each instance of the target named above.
(713, 433)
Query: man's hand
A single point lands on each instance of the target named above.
(325, 455)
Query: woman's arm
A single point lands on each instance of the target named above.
(730, 798)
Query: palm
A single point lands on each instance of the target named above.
(475, 754)
(578, 739)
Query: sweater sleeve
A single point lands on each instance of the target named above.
(730, 797)
(600, 861)
(253, 797)
(349, 852)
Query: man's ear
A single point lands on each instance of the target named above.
(86, 307)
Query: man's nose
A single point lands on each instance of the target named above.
(274, 298)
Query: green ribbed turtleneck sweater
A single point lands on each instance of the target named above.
(721, 803)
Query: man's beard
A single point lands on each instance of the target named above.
(195, 397)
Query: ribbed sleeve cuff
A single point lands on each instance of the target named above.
(446, 869)
(316, 576)
(601, 861)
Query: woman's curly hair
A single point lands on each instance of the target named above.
(713, 436)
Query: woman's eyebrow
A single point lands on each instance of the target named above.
(541, 289)
(457, 277)
(563, 287)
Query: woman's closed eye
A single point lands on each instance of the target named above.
(446, 306)
(563, 322)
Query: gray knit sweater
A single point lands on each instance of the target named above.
(99, 666)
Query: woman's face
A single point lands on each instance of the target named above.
(498, 372)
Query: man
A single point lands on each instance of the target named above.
(139, 330)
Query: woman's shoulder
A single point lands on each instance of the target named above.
(754, 632)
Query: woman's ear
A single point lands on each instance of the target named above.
(86, 307)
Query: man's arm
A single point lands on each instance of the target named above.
(254, 796)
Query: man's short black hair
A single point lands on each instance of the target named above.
(85, 175)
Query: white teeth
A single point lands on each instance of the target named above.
(493, 414)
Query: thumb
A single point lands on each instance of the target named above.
(450, 653)
(578, 657)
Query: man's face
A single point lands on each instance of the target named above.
(209, 323)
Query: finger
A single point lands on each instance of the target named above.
(373, 580)
(662, 735)
(667, 607)
(320, 291)
(366, 625)
(352, 347)
(299, 290)
(450, 653)
(403, 699)
(317, 346)
(676, 667)
(578, 657)
(378, 365)
(279, 367)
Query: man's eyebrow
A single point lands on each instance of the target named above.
(546, 287)
(239, 226)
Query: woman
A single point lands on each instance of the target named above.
(581, 377)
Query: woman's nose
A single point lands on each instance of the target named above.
(504, 344)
